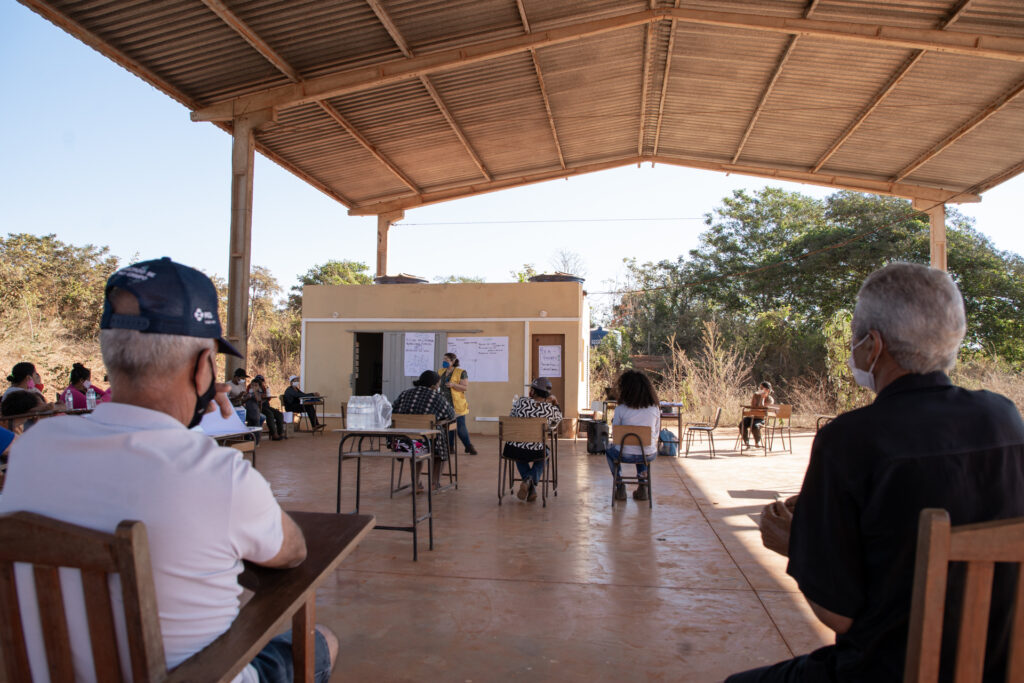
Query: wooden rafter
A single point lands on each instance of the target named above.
(989, 111)
(268, 53)
(770, 86)
(392, 29)
(888, 88)
(543, 87)
(664, 82)
(648, 56)
(998, 178)
(856, 183)
(395, 70)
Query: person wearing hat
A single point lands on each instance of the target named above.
(529, 457)
(425, 397)
(240, 396)
(275, 419)
(205, 508)
(293, 396)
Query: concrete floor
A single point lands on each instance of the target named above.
(579, 591)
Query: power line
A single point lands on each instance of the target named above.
(556, 220)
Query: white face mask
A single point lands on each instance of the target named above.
(295, 384)
(87, 384)
(864, 378)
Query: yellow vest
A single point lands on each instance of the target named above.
(458, 397)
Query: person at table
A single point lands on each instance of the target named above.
(275, 420)
(454, 385)
(81, 382)
(850, 534)
(425, 398)
(205, 508)
(529, 456)
(638, 406)
(23, 403)
(762, 398)
(24, 377)
(293, 396)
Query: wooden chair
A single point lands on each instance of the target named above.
(523, 430)
(781, 423)
(980, 546)
(642, 436)
(709, 429)
(48, 544)
(424, 421)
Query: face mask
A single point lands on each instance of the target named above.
(87, 384)
(295, 384)
(864, 378)
(445, 364)
(203, 401)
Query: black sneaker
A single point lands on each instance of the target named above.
(640, 493)
(470, 450)
(620, 491)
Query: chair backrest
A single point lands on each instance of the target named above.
(48, 544)
(415, 421)
(638, 435)
(522, 429)
(784, 412)
(718, 416)
(980, 546)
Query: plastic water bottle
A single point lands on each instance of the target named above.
(90, 399)
(358, 414)
(69, 400)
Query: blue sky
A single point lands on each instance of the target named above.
(95, 155)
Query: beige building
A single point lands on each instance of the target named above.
(367, 339)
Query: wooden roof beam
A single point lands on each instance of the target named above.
(989, 111)
(543, 87)
(368, 146)
(250, 36)
(956, 13)
(770, 86)
(664, 83)
(644, 77)
(998, 178)
(406, 50)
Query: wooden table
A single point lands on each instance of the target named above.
(757, 413)
(381, 435)
(674, 409)
(321, 412)
(244, 441)
(279, 594)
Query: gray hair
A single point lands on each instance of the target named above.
(131, 356)
(918, 311)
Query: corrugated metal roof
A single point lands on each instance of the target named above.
(424, 100)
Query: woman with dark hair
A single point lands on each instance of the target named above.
(81, 382)
(638, 406)
(454, 384)
(762, 399)
(24, 377)
(425, 398)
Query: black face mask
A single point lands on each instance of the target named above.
(203, 401)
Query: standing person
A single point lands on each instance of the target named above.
(206, 509)
(24, 377)
(762, 398)
(529, 457)
(80, 383)
(454, 384)
(923, 443)
(275, 420)
(421, 399)
(638, 406)
(293, 396)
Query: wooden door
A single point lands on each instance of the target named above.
(548, 350)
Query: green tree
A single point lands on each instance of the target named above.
(524, 274)
(456, 279)
(263, 287)
(330, 273)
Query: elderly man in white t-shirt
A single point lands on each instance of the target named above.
(205, 508)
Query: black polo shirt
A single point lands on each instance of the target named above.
(922, 443)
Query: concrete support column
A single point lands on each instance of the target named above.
(240, 246)
(384, 221)
(937, 234)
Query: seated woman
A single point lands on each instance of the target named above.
(762, 398)
(425, 398)
(24, 377)
(529, 457)
(81, 382)
(23, 404)
(638, 406)
(275, 420)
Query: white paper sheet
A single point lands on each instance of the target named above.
(419, 353)
(215, 425)
(485, 359)
(549, 358)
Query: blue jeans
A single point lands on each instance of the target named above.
(641, 463)
(273, 664)
(530, 469)
(460, 427)
(811, 668)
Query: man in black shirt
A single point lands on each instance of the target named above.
(851, 538)
(292, 400)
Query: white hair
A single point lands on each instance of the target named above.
(918, 311)
(131, 356)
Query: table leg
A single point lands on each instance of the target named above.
(415, 526)
(341, 449)
(430, 500)
(359, 477)
(304, 640)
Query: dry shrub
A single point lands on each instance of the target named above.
(49, 346)
(811, 395)
(716, 376)
(993, 375)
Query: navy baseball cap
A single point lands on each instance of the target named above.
(173, 299)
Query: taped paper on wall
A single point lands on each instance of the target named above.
(549, 361)
(419, 353)
(485, 359)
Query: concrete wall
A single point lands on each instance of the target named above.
(332, 315)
